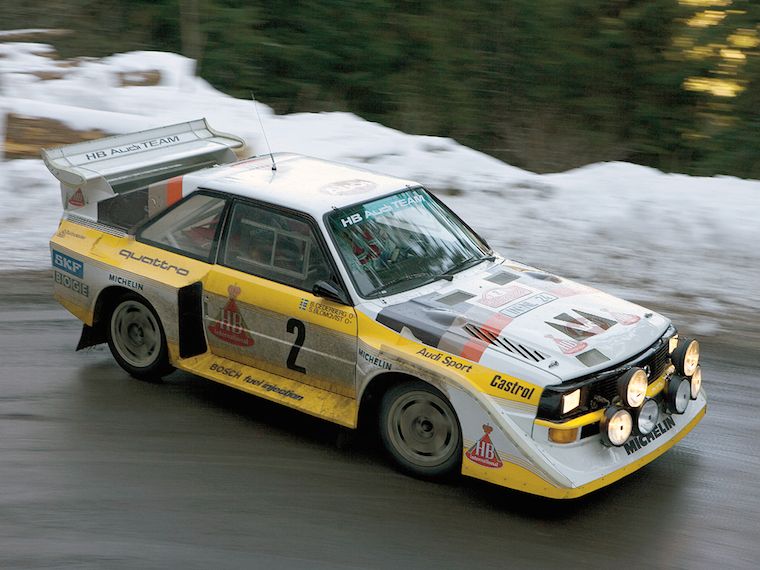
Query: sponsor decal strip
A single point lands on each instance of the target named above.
(636, 443)
(68, 264)
(70, 283)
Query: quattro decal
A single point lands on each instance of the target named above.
(153, 262)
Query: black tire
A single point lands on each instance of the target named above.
(420, 430)
(136, 338)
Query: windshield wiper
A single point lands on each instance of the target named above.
(398, 280)
(466, 264)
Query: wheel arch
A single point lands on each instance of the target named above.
(380, 384)
(97, 332)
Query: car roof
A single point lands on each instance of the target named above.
(303, 183)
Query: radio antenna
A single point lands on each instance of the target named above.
(266, 140)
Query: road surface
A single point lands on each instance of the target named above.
(99, 470)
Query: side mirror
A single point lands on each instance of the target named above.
(330, 291)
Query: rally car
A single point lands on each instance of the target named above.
(344, 294)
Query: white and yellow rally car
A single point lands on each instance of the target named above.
(338, 291)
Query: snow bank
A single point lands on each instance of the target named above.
(671, 240)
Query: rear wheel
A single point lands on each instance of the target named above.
(136, 338)
(420, 431)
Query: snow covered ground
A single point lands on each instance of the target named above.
(686, 245)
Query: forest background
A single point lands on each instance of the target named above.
(545, 85)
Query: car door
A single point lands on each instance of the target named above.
(259, 308)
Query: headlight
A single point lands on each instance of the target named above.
(647, 416)
(678, 394)
(571, 400)
(616, 426)
(696, 382)
(686, 356)
(672, 343)
(632, 387)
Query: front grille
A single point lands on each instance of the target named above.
(656, 362)
(599, 389)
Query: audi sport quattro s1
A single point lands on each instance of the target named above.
(335, 290)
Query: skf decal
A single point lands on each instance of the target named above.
(70, 283)
(503, 295)
(68, 264)
(512, 387)
(483, 452)
(582, 325)
(636, 443)
(77, 199)
(153, 261)
(230, 327)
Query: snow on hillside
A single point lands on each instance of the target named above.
(683, 243)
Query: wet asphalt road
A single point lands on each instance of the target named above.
(98, 470)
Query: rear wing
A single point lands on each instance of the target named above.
(95, 171)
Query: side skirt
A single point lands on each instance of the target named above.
(309, 399)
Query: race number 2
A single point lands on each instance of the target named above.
(294, 325)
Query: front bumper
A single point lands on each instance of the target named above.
(562, 471)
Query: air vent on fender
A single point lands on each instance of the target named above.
(514, 348)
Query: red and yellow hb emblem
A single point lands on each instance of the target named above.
(483, 452)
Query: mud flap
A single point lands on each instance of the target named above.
(192, 337)
(91, 336)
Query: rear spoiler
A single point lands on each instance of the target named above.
(97, 170)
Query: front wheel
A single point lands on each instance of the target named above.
(420, 430)
(136, 338)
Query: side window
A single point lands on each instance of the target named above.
(275, 246)
(188, 228)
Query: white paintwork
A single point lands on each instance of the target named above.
(302, 183)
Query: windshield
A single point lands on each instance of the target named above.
(402, 241)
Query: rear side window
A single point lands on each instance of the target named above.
(274, 245)
(189, 228)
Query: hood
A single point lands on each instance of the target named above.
(514, 313)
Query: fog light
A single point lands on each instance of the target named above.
(632, 387)
(678, 394)
(647, 417)
(696, 383)
(616, 426)
(686, 356)
(563, 435)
